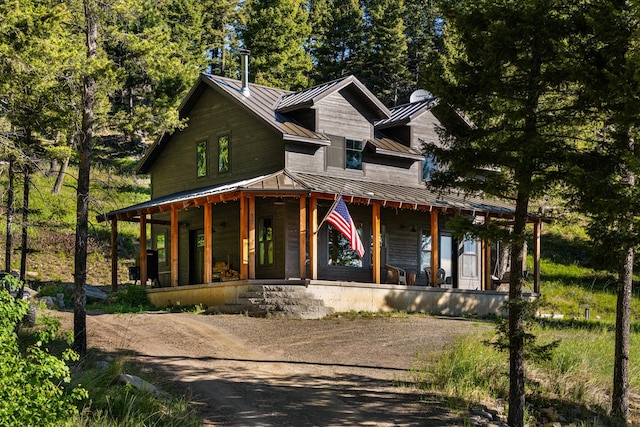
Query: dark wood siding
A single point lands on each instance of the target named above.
(255, 149)
(292, 232)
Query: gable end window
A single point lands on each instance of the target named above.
(223, 153)
(353, 154)
(201, 159)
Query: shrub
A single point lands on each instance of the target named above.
(32, 381)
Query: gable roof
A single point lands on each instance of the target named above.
(261, 103)
(308, 97)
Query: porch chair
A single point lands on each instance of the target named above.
(395, 275)
(440, 278)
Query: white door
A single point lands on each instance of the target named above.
(469, 264)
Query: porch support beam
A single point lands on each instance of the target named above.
(537, 229)
(375, 226)
(486, 263)
(435, 249)
(114, 254)
(252, 237)
(174, 247)
(143, 250)
(244, 238)
(313, 238)
(208, 243)
(303, 237)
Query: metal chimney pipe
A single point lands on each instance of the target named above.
(244, 62)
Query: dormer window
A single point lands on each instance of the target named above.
(353, 154)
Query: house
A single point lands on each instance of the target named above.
(240, 193)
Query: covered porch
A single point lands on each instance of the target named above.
(401, 225)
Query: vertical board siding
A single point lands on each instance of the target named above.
(336, 116)
(254, 148)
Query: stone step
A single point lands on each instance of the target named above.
(275, 300)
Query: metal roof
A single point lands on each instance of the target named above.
(403, 114)
(389, 147)
(308, 97)
(287, 183)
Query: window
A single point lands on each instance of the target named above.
(470, 258)
(223, 154)
(202, 159)
(353, 154)
(425, 249)
(265, 241)
(340, 252)
(428, 166)
(160, 247)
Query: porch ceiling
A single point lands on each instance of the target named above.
(285, 183)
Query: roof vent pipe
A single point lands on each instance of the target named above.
(244, 62)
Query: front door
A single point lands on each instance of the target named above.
(196, 256)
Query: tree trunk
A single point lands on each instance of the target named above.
(25, 224)
(516, 315)
(620, 395)
(60, 178)
(10, 197)
(82, 201)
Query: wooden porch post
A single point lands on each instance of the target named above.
(435, 249)
(208, 243)
(313, 238)
(244, 238)
(303, 237)
(114, 254)
(252, 237)
(174, 246)
(537, 228)
(143, 250)
(486, 263)
(375, 228)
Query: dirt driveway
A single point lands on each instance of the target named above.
(245, 371)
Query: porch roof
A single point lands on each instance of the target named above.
(285, 183)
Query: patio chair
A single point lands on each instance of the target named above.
(395, 275)
(440, 278)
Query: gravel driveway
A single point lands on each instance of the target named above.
(245, 371)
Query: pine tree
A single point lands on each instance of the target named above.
(384, 62)
(606, 183)
(506, 65)
(217, 34)
(276, 33)
(421, 30)
(337, 39)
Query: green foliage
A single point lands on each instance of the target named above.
(128, 299)
(114, 404)
(276, 32)
(33, 383)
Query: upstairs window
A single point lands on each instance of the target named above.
(353, 154)
(223, 154)
(201, 159)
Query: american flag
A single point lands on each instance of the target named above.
(339, 217)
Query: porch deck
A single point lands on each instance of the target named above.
(349, 296)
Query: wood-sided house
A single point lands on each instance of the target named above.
(247, 182)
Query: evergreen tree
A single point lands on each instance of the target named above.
(156, 65)
(384, 63)
(506, 65)
(219, 16)
(337, 40)
(276, 31)
(606, 182)
(421, 30)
